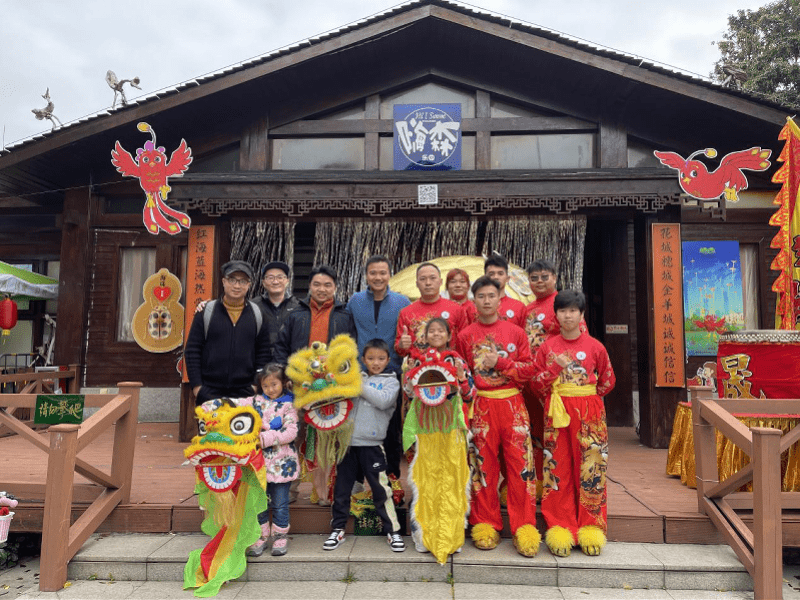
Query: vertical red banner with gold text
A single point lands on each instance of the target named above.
(199, 274)
(668, 305)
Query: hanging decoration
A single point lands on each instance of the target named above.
(326, 378)
(153, 170)
(8, 316)
(439, 472)
(787, 240)
(230, 483)
(157, 324)
(728, 179)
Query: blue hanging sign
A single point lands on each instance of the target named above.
(427, 137)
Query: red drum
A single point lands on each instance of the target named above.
(761, 363)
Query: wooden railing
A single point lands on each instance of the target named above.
(60, 540)
(759, 549)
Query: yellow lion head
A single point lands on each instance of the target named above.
(325, 373)
(228, 441)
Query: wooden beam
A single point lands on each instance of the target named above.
(254, 147)
(483, 136)
(613, 146)
(372, 148)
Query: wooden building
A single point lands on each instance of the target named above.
(550, 126)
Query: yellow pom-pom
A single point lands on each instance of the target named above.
(559, 540)
(485, 537)
(711, 152)
(527, 540)
(591, 540)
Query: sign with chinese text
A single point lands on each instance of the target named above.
(712, 294)
(668, 305)
(199, 273)
(427, 137)
(59, 408)
(757, 370)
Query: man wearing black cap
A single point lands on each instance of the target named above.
(228, 341)
(274, 302)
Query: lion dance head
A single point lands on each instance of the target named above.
(432, 377)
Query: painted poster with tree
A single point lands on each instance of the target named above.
(712, 294)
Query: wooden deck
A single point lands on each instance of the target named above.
(644, 504)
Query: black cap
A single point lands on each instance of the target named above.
(237, 266)
(275, 264)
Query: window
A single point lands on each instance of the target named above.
(641, 155)
(551, 151)
(430, 93)
(135, 266)
(222, 161)
(346, 153)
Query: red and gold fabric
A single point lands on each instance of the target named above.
(787, 240)
(414, 318)
(758, 364)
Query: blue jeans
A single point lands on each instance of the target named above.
(278, 499)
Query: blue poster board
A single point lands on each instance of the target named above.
(427, 137)
(712, 294)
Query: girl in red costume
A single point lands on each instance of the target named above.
(574, 373)
(500, 358)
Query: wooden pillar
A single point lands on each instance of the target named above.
(254, 148)
(483, 139)
(705, 449)
(58, 507)
(125, 441)
(76, 246)
(767, 542)
(372, 142)
(613, 146)
(656, 404)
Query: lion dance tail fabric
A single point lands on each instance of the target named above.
(439, 473)
(231, 483)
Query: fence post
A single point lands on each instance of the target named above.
(125, 441)
(705, 448)
(767, 541)
(74, 385)
(58, 506)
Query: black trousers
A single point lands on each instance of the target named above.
(393, 444)
(371, 462)
(211, 393)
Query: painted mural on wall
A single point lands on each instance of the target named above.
(712, 294)
(427, 137)
(727, 179)
(157, 324)
(153, 171)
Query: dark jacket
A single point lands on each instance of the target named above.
(275, 317)
(227, 356)
(294, 335)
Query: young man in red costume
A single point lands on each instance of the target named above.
(500, 358)
(574, 372)
(414, 318)
(496, 267)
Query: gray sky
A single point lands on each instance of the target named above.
(69, 45)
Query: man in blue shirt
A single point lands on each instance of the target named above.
(375, 312)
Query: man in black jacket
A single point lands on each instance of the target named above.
(227, 342)
(274, 302)
(319, 318)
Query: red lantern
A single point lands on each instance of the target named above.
(8, 315)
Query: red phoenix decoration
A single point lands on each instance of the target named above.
(712, 325)
(152, 169)
(8, 315)
(728, 179)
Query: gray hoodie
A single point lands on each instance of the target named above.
(373, 409)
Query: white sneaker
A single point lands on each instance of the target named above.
(395, 541)
(334, 540)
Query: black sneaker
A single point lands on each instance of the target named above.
(334, 540)
(396, 542)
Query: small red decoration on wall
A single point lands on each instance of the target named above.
(8, 315)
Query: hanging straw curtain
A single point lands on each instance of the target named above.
(346, 245)
(521, 240)
(261, 242)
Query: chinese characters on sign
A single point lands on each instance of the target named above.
(668, 305)
(427, 137)
(59, 408)
(199, 273)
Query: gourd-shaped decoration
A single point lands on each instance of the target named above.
(157, 324)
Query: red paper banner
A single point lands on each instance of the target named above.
(766, 370)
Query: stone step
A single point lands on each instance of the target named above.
(161, 557)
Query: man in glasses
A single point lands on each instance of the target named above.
(275, 303)
(227, 341)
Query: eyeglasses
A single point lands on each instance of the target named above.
(237, 281)
(538, 277)
(275, 277)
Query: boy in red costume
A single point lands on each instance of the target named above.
(500, 358)
(496, 268)
(574, 372)
(414, 318)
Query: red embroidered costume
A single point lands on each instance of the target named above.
(500, 419)
(510, 310)
(416, 315)
(575, 456)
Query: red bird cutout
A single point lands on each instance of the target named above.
(152, 169)
(728, 179)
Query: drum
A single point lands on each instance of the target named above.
(761, 363)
